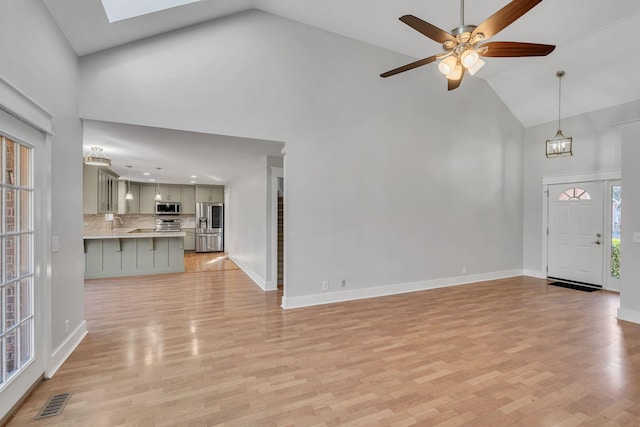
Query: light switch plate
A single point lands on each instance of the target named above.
(55, 243)
(636, 237)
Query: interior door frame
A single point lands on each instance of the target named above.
(604, 176)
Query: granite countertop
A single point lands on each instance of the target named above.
(133, 233)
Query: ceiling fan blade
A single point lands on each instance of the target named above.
(455, 84)
(431, 31)
(504, 17)
(411, 66)
(516, 49)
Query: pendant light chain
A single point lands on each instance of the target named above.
(560, 74)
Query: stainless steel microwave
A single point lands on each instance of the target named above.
(168, 208)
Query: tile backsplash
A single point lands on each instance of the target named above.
(97, 223)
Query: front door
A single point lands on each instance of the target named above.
(576, 232)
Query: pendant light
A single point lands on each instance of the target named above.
(129, 195)
(96, 157)
(559, 145)
(158, 195)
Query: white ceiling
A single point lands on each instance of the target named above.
(594, 41)
(214, 159)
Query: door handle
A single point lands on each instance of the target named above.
(597, 242)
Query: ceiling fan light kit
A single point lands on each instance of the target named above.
(559, 145)
(463, 47)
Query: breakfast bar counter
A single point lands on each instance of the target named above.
(133, 252)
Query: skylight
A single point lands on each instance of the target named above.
(118, 10)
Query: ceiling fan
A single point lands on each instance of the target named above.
(465, 44)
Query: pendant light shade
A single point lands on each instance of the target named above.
(96, 157)
(447, 65)
(129, 195)
(158, 195)
(559, 145)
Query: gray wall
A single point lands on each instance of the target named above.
(388, 181)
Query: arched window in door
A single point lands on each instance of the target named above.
(573, 194)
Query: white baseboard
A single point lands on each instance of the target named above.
(64, 351)
(534, 273)
(249, 272)
(271, 286)
(379, 291)
(629, 315)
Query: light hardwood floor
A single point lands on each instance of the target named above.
(210, 348)
(213, 261)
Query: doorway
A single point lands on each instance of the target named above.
(581, 226)
(280, 257)
(576, 229)
(24, 234)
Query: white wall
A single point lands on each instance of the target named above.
(37, 59)
(388, 181)
(246, 211)
(629, 250)
(596, 148)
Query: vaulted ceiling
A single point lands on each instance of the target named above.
(594, 39)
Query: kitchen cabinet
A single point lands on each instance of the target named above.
(147, 199)
(117, 257)
(189, 239)
(100, 190)
(188, 200)
(170, 193)
(210, 193)
(128, 206)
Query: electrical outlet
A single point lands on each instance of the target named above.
(464, 269)
(325, 285)
(66, 326)
(344, 283)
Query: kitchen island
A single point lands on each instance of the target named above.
(133, 252)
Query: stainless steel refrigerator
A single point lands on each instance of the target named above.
(209, 227)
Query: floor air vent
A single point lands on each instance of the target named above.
(54, 405)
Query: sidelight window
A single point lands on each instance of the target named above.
(16, 258)
(616, 217)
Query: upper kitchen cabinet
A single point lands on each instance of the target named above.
(128, 206)
(147, 199)
(100, 190)
(189, 200)
(210, 193)
(170, 193)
